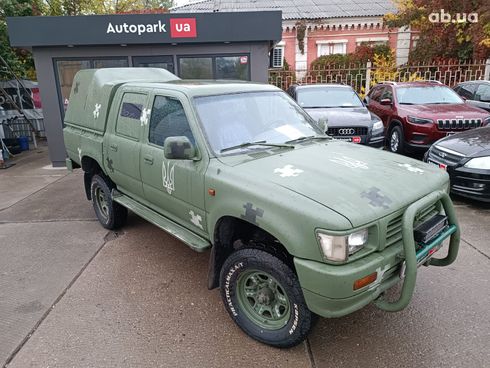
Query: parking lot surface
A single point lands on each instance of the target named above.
(75, 295)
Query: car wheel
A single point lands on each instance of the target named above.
(263, 296)
(395, 140)
(110, 214)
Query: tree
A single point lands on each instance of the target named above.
(20, 61)
(451, 29)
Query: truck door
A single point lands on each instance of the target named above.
(174, 188)
(123, 143)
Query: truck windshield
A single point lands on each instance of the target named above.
(324, 97)
(427, 95)
(237, 119)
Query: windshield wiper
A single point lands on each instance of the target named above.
(407, 103)
(257, 143)
(301, 139)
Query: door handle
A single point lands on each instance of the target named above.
(148, 159)
(113, 147)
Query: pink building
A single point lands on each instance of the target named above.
(329, 26)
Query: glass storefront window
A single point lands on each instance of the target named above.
(232, 67)
(215, 67)
(67, 69)
(196, 67)
(163, 62)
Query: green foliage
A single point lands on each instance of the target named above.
(20, 61)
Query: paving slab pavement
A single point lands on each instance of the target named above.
(143, 301)
(26, 177)
(38, 262)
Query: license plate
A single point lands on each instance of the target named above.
(350, 139)
(441, 166)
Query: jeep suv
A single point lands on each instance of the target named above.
(416, 114)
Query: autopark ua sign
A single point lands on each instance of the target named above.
(179, 28)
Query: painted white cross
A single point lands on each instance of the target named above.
(97, 110)
(287, 171)
(412, 168)
(196, 219)
(145, 114)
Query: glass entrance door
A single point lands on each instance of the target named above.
(164, 62)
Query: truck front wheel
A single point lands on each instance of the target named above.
(263, 296)
(110, 214)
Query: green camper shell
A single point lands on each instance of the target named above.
(93, 90)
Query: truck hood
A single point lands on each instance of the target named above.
(360, 183)
(341, 117)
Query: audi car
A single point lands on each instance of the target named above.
(347, 117)
(466, 158)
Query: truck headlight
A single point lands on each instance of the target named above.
(338, 248)
(416, 120)
(378, 125)
(479, 163)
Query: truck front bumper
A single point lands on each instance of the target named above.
(329, 289)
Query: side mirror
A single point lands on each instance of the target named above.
(179, 148)
(323, 125)
(366, 100)
(463, 98)
(386, 101)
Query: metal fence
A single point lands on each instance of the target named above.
(363, 76)
(22, 128)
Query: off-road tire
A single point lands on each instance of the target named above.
(110, 214)
(396, 134)
(294, 327)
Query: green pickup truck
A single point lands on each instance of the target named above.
(298, 224)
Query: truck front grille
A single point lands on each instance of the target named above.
(394, 228)
(458, 124)
(443, 157)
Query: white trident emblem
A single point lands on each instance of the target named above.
(168, 177)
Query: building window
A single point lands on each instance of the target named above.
(372, 41)
(331, 47)
(215, 67)
(278, 57)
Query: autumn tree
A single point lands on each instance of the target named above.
(463, 32)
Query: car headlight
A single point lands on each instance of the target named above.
(378, 125)
(486, 120)
(338, 248)
(415, 120)
(479, 163)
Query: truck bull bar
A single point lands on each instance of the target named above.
(412, 258)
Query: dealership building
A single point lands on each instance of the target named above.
(221, 45)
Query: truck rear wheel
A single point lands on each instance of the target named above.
(263, 296)
(110, 214)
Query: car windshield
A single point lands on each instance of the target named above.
(325, 97)
(266, 117)
(427, 95)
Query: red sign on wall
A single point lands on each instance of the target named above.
(183, 27)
